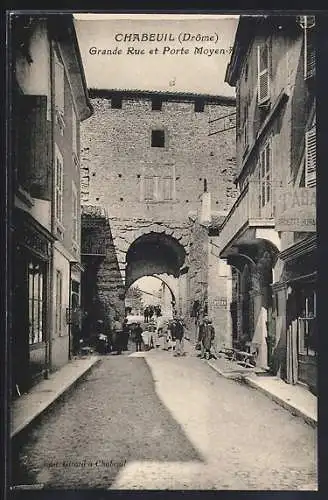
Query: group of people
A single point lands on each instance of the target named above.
(148, 336)
(151, 311)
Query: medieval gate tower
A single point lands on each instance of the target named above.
(145, 157)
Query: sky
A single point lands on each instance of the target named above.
(193, 58)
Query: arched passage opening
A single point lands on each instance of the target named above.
(153, 254)
(158, 292)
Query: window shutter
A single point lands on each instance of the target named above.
(33, 146)
(148, 188)
(309, 53)
(59, 85)
(263, 81)
(310, 157)
(167, 188)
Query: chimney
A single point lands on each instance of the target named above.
(205, 211)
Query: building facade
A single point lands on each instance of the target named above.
(48, 100)
(269, 235)
(147, 158)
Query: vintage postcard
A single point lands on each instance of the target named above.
(162, 207)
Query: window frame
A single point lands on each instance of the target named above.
(75, 215)
(59, 84)
(265, 175)
(36, 315)
(309, 49)
(59, 185)
(310, 157)
(263, 74)
(59, 302)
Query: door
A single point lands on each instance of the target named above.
(307, 339)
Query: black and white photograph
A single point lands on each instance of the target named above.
(163, 239)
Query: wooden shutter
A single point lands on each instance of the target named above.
(263, 77)
(148, 188)
(309, 53)
(59, 85)
(33, 146)
(310, 157)
(167, 188)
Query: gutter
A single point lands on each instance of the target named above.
(52, 189)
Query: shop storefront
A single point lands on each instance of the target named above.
(298, 286)
(30, 314)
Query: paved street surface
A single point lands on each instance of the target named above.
(166, 423)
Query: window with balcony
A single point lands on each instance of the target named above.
(263, 73)
(310, 157)
(265, 172)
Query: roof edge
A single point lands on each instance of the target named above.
(108, 93)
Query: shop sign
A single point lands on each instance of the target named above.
(295, 209)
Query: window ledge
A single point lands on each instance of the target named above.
(154, 202)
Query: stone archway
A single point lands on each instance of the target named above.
(152, 254)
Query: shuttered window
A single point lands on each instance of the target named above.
(309, 48)
(59, 85)
(263, 76)
(32, 145)
(167, 188)
(245, 126)
(36, 293)
(75, 214)
(148, 188)
(74, 132)
(265, 175)
(310, 157)
(59, 186)
(59, 302)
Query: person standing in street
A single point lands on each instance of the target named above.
(138, 337)
(178, 333)
(206, 337)
(118, 335)
(125, 334)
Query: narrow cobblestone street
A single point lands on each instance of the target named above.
(153, 421)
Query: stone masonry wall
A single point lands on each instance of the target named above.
(117, 153)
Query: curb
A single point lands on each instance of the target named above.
(288, 406)
(25, 425)
(249, 381)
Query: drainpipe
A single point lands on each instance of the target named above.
(52, 191)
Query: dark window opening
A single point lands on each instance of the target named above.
(199, 106)
(156, 104)
(158, 138)
(116, 102)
